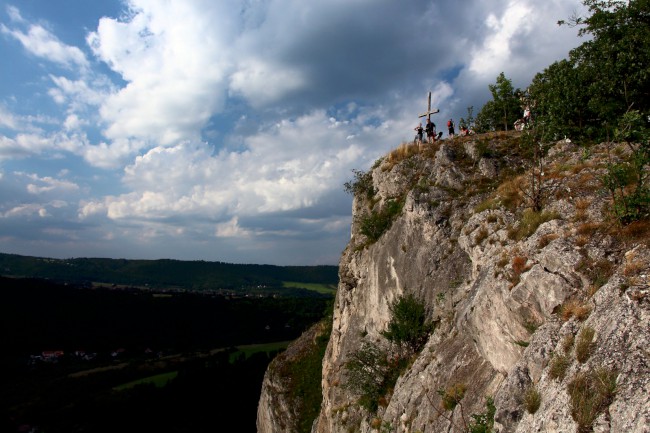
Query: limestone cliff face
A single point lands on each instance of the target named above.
(516, 294)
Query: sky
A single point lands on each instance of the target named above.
(225, 130)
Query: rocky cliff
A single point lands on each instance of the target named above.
(540, 299)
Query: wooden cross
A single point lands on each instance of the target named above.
(429, 110)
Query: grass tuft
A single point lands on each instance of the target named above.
(591, 392)
(558, 366)
(574, 308)
(532, 399)
(584, 344)
(530, 221)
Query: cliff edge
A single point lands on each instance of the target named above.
(539, 297)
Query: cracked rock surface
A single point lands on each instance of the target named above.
(511, 298)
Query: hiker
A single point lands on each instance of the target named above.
(430, 129)
(526, 115)
(419, 131)
(450, 128)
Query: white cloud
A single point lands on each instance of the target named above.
(290, 166)
(113, 155)
(7, 119)
(489, 59)
(231, 229)
(75, 91)
(522, 40)
(262, 83)
(41, 43)
(26, 210)
(73, 122)
(319, 88)
(23, 145)
(48, 184)
(14, 14)
(174, 57)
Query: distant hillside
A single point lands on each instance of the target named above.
(188, 275)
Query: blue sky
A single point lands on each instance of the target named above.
(225, 130)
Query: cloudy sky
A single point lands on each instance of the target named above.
(225, 130)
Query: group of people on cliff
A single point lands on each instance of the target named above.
(430, 130)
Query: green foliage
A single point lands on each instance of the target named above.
(503, 110)
(560, 104)
(469, 122)
(484, 421)
(591, 392)
(305, 389)
(531, 326)
(627, 180)
(616, 59)
(409, 327)
(603, 77)
(361, 185)
(372, 374)
(376, 223)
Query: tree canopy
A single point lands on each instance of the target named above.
(504, 108)
(586, 95)
(603, 78)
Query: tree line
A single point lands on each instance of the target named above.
(587, 94)
(600, 93)
(190, 275)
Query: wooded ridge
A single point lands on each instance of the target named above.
(166, 274)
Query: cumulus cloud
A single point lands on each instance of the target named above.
(231, 229)
(262, 83)
(174, 58)
(75, 92)
(231, 126)
(286, 167)
(22, 146)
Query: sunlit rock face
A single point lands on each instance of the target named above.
(513, 293)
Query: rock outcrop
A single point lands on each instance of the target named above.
(541, 300)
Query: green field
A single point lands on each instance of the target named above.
(159, 380)
(326, 289)
(250, 349)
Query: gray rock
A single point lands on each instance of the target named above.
(502, 306)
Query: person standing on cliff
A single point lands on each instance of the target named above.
(419, 131)
(450, 128)
(430, 129)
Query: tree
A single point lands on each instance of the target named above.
(560, 102)
(617, 58)
(628, 180)
(409, 327)
(367, 372)
(469, 122)
(604, 77)
(502, 110)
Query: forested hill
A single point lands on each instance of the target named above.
(188, 275)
